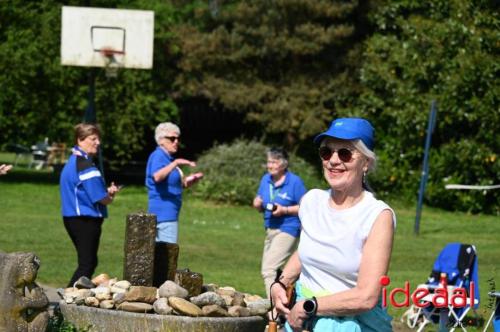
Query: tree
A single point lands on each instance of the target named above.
(447, 51)
(275, 61)
(40, 98)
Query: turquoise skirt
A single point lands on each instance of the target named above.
(375, 320)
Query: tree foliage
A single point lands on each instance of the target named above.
(276, 61)
(40, 98)
(445, 51)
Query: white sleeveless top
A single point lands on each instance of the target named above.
(331, 241)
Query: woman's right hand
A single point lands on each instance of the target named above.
(113, 189)
(280, 301)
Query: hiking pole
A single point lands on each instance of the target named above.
(307, 325)
(273, 326)
(291, 297)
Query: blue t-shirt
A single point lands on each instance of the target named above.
(288, 193)
(164, 197)
(81, 187)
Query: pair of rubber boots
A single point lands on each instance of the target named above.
(165, 264)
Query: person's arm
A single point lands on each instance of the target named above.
(257, 203)
(293, 210)
(163, 172)
(281, 210)
(112, 190)
(289, 275)
(365, 295)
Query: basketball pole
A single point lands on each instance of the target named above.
(90, 115)
(90, 112)
(425, 168)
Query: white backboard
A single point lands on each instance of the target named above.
(87, 31)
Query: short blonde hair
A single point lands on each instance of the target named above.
(84, 130)
(164, 128)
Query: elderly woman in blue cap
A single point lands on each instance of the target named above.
(345, 243)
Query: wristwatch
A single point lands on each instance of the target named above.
(311, 306)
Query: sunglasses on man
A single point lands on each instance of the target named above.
(344, 154)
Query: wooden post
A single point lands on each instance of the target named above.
(139, 249)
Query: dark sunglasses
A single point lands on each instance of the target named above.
(345, 155)
(172, 138)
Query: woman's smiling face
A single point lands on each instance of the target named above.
(343, 175)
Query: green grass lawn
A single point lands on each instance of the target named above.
(222, 242)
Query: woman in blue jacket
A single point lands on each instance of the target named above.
(84, 197)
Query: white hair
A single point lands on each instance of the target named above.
(278, 154)
(369, 154)
(164, 129)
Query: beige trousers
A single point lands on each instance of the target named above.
(278, 247)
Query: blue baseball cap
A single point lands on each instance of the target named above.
(350, 128)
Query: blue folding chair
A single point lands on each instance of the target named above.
(459, 262)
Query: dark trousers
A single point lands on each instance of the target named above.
(85, 233)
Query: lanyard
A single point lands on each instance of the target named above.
(273, 193)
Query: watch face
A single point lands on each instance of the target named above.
(309, 306)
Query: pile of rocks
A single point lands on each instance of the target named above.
(170, 299)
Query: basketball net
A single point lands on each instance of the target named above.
(112, 65)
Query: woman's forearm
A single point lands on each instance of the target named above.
(162, 173)
(292, 270)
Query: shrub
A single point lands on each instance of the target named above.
(58, 324)
(233, 171)
(481, 166)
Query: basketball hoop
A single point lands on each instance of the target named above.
(106, 37)
(112, 64)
